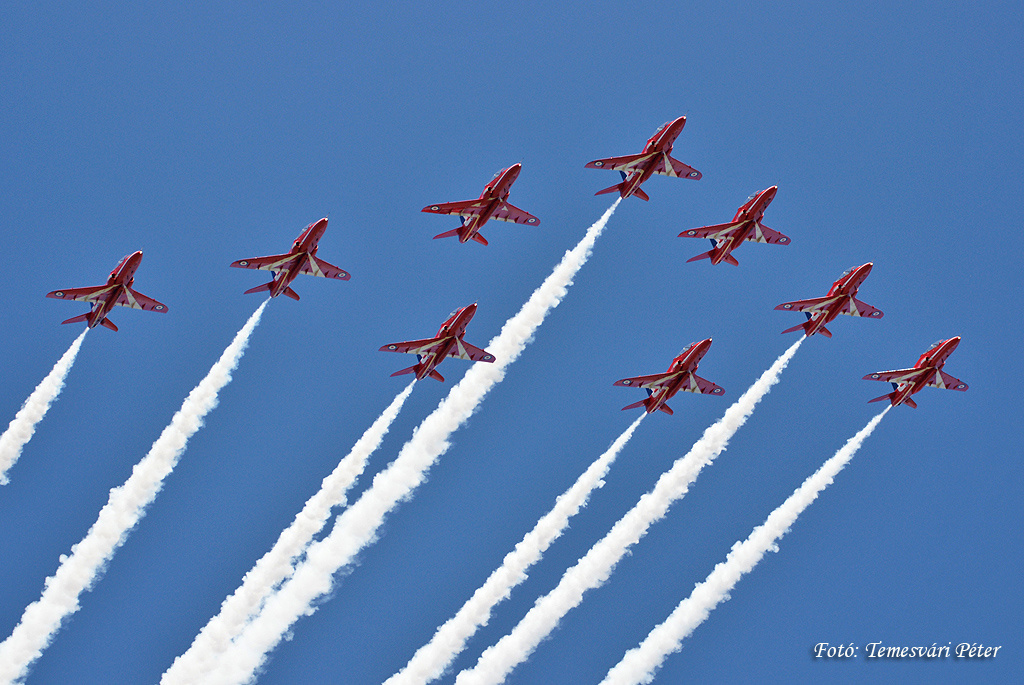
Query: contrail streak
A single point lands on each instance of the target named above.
(431, 660)
(596, 566)
(277, 565)
(126, 505)
(640, 663)
(20, 430)
(357, 527)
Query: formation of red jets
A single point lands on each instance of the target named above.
(493, 203)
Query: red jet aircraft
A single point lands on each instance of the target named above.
(841, 299)
(681, 375)
(654, 159)
(492, 204)
(927, 372)
(301, 260)
(118, 291)
(746, 225)
(447, 343)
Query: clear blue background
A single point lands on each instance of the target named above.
(203, 134)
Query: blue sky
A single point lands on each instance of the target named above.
(202, 135)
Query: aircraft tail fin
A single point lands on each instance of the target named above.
(665, 408)
(411, 369)
(642, 195)
(77, 319)
(107, 323)
(449, 234)
(479, 238)
(702, 255)
(641, 403)
(265, 286)
(435, 375)
(729, 259)
(291, 293)
(824, 331)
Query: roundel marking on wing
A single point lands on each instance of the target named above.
(788, 306)
(159, 307)
(598, 163)
(961, 386)
(488, 357)
(875, 313)
(693, 174)
(874, 375)
(392, 347)
(782, 239)
(691, 232)
(59, 293)
(531, 220)
(435, 207)
(626, 382)
(243, 263)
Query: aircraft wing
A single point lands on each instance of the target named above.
(272, 263)
(855, 307)
(811, 305)
(508, 212)
(463, 350)
(669, 166)
(624, 163)
(136, 300)
(717, 231)
(763, 234)
(466, 208)
(897, 376)
(412, 346)
(945, 381)
(314, 266)
(652, 381)
(82, 294)
(701, 386)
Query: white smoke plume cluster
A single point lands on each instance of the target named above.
(596, 566)
(357, 526)
(641, 663)
(278, 564)
(431, 660)
(22, 427)
(126, 505)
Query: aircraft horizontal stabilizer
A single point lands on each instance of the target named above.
(454, 233)
(702, 255)
(641, 403)
(411, 369)
(77, 319)
(108, 324)
(729, 259)
(825, 332)
(613, 189)
(798, 327)
(479, 238)
(665, 408)
(265, 286)
(642, 195)
(435, 375)
(291, 293)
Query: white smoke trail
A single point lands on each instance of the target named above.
(640, 663)
(431, 660)
(126, 505)
(357, 527)
(277, 564)
(21, 428)
(596, 566)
